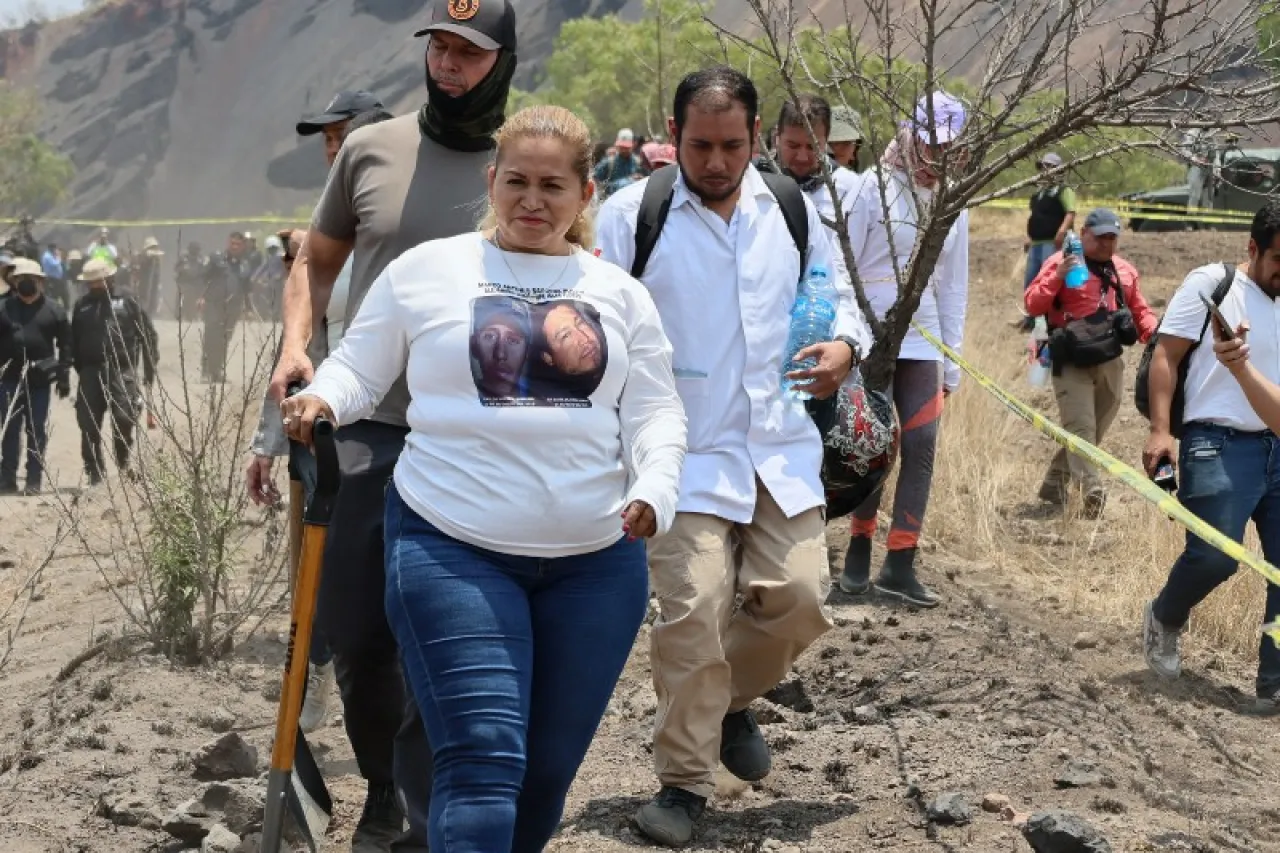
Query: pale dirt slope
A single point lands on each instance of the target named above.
(988, 694)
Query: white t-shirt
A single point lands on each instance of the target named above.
(542, 394)
(1212, 393)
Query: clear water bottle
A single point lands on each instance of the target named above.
(1074, 271)
(813, 321)
(1038, 355)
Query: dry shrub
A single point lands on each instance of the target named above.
(191, 563)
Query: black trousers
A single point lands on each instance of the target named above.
(220, 316)
(105, 390)
(382, 719)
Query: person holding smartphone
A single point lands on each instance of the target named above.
(1228, 464)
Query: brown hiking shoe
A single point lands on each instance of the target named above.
(670, 817)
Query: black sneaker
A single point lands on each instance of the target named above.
(898, 580)
(381, 822)
(8, 488)
(670, 817)
(856, 577)
(743, 751)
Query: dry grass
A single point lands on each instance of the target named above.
(990, 463)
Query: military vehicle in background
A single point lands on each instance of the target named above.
(1221, 176)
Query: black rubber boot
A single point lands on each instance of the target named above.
(670, 818)
(898, 580)
(856, 577)
(743, 751)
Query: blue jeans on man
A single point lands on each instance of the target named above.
(1036, 256)
(1227, 477)
(24, 411)
(512, 661)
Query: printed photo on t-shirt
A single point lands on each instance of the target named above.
(523, 353)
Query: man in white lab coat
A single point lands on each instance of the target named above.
(724, 273)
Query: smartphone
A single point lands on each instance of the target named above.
(1164, 477)
(1227, 331)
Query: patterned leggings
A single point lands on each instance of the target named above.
(917, 395)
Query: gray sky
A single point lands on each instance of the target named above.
(19, 8)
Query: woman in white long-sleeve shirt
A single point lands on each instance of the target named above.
(546, 438)
(921, 380)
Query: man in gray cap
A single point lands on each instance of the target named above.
(415, 178)
(845, 139)
(1088, 381)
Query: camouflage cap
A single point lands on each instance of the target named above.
(846, 125)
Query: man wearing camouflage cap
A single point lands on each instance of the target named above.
(846, 136)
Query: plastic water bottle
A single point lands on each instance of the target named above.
(1074, 271)
(813, 321)
(1038, 350)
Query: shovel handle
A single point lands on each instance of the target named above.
(307, 583)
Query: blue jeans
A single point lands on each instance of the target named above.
(30, 416)
(512, 661)
(1227, 477)
(1036, 256)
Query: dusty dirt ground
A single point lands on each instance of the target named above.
(994, 693)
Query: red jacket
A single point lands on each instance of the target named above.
(1082, 301)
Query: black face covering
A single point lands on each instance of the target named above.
(26, 287)
(468, 122)
(808, 184)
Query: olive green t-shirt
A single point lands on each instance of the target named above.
(390, 190)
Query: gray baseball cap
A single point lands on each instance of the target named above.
(1102, 221)
(846, 125)
(344, 106)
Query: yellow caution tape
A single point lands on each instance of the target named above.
(1140, 483)
(156, 223)
(1154, 211)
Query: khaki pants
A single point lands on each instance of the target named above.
(708, 660)
(1088, 401)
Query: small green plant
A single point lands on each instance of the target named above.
(189, 561)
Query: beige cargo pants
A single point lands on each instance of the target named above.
(1088, 402)
(707, 659)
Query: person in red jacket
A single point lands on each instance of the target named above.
(1088, 396)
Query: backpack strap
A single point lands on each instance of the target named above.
(791, 199)
(1219, 294)
(654, 207)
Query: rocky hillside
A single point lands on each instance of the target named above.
(185, 108)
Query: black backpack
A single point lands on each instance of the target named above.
(1142, 388)
(656, 204)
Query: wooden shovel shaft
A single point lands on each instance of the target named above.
(295, 677)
